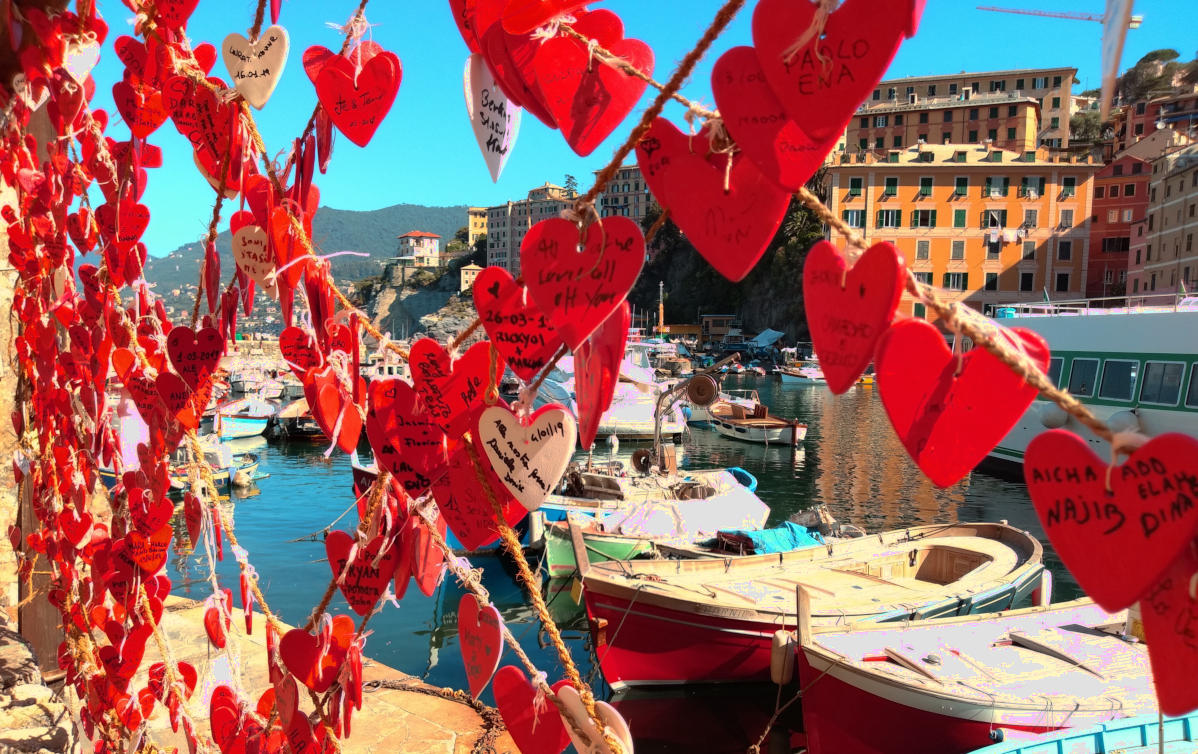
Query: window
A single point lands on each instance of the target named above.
(1068, 186)
(855, 186)
(889, 218)
(1162, 382)
(892, 157)
(910, 90)
(896, 142)
(1056, 81)
(1118, 378)
(1100, 192)
(992, 281)
(923, 117)
(865, 122)
(1018, 83)
(1031, 186)
(1011, 133)
(1115, 191)
(925, 185)
(1151, 221)
(1027, 281)
(1029, 250)
(1066, 218)
(1062, 281)
(952, 88)
(1112, 216)
(880, 121)
(1064, 251)
(962, 185)
(996, 184)
(958, 250)
(1054, 123)
(1135, 285)
(891, 186)
(973, 136)
(946, 137)
(993, 249)
(927, 157)
(1189, 243)
(1040, 82)
(1118, 171)
(1139, 129)
(1141, 107)
(1192, 392)
(855, 218)
(880, 142)
(918, 310)
(948, 116)
(994, 112)
(1054, 370)
(958, 218)
(1136, 168)
(998, 86)
(923, 277)
(877, 94)
(863, 144)
(1056, 103)
(1030, 216)
(992, 134)
(994, 218)
(923, 137)
(1115, 245)
(922, 249)
(923, 218)
(960, 156)
(1148, 255)
(973, 113)
(931, 90)
(1081, 377)
(898, 120)
(956, 281)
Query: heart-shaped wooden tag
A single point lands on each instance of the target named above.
(357, 103)
(148, 552)
(516, 327)
(613, 724)
(586, 98)
(758, 123)
(480, 635)
(578, 282)
(364, 577)
(495, 120)
(451, 391)
(597, 370)
(141, 107)
(523, 16)
(301, 653)
(729, 216)
(1145, 522)
(403, 436)
(1170, 617)
(848, 310)
(528, 459)
(426, 560)
(464, 496)
(298, 348)
(535, 729)
(252, 254)
(510, 59)
(950, 411)
(333, 408)
(194, 354)
(256, 67)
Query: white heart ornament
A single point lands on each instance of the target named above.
(494, 118)
(251, 252)
(256, 67)
(612, 723)
(23, 89)
(80, 59)
(528, 459)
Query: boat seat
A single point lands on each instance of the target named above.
(760, 412)
(738, 412)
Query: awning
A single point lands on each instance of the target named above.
(766, 337)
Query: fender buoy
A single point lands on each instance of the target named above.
(641, 460)
(782, 657)
(1052, 416)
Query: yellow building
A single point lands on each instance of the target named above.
(468, 274)
(989, 226)
(476, 223)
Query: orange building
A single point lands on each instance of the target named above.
(1008, 120)
(989, 226)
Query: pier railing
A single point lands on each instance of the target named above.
(1103, 305)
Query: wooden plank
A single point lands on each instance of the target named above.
(910, 663)
(581, 559)
(1042, 643)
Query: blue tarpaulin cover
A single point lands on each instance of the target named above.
(783, 538)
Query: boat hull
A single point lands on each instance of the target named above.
(559, 551)
(788, 435)
(236, 427)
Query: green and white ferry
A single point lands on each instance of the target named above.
(1132, 361)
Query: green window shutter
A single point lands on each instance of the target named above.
(959, 218)
(1006, 185)
(933, 218)
(965, 281)
(878, 219)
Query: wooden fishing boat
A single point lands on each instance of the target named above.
(1142, 734)
(755, 424)
(245, 417)
(952, 686)
(685, 621)
(802, 374)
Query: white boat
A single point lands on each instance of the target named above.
(806, 374)
(755, 424)
(247, 417)
(697, 414)
(1134, 365)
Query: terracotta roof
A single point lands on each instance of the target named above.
(419, 234)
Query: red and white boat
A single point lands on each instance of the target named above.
(694, 621)
(953, 686)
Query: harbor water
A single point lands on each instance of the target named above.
(850, 461)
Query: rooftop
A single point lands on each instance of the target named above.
(957, 154)
(419, 234)
(981, 74)
(941, 103)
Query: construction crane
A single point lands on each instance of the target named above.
(1134, 24)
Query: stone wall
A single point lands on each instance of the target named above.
(32, 717)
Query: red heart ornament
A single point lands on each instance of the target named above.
(510, 59)
(312, 664)
(535, 731)
(848, 310)
(759, 124)
(299, 350)
(141, 107)
(451, 391)
(480, 635)
(588, 99)
(858, 42)
(1146, 520)
(333, 408)
(291, 258)
(193, 517)
(426, 561)
(579, 289)
(357, 103)
(597, 370)
(122, 225)
(366, 573)
(523, 16)
(194, 354)
(403, 437)
(1170, 618)
(730, 228)
(464, 496)
(950, 412)
(148, 552)
(518, 329)
(316, 56)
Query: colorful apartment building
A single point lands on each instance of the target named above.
(467, 275)
(1008, 120)
(507, 223)
(1163, 256)
(1177, 112)
(476, 224)
(989, 226)
(626, 195)
(1120, 199)
(419, 248)
(1051, 87)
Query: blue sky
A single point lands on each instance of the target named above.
(425, 153)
